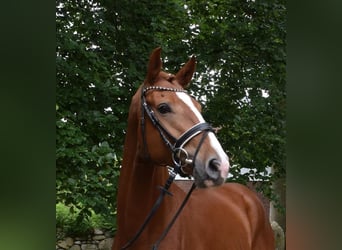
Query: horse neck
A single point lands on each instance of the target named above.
(138, 185)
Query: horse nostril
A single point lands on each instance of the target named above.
(211, 175)
(214, 165)
(213, 170)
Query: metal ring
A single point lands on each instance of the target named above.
(177, 154)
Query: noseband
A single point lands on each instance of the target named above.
(177, 147)
(179, 155)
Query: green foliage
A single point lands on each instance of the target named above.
(90, 110)
(241, 48)
(69, 223)
(101, 56)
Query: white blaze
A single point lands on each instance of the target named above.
(212, 138)
(187, 100)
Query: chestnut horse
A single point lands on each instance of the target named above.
(166, 128)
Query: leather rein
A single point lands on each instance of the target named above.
(180, 158)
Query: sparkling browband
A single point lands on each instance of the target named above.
(162, 89)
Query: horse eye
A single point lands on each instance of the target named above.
(164, 108)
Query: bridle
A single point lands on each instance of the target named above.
(176, 148)
(180, 158)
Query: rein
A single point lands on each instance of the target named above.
(177, 150)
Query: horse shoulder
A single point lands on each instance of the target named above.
(218, 215)
(262, 236)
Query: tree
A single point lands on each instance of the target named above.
(241, 46)
(101, 57)
(89, 104)
(101, 54)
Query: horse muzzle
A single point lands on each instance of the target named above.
(213, 173)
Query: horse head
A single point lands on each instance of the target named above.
(173, 129)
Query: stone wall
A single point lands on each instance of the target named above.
(98, 240)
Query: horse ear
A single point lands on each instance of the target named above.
(184, 75)
(154, 66)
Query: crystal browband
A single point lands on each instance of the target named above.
(159, 88)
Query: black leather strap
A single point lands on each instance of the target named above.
(198, 128)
